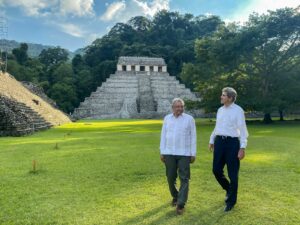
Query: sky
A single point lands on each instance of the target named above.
(74, 24)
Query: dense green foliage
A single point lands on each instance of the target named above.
(261, 59)
(109, 172)
(169, 35)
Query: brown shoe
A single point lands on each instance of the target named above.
(179, 210)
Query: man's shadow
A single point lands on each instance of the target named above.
(171, 214)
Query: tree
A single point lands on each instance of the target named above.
(262, 54)
(64, 95)
(21, 53)
(140, 23)
(63, 73)
(52, 56)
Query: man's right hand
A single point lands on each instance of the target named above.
(211, 147)
(162, 158)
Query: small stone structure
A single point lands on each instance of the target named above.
(140, 88)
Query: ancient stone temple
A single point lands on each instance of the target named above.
(140, 88)
(24, 112)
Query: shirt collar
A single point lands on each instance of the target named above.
(230, 106)
(178, 116)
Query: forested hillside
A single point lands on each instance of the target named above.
(260, 59)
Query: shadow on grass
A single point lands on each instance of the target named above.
(139, 219)
(216, 214)
(151, 218)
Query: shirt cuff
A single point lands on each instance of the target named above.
(243, 145)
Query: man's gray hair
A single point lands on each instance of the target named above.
(177, 100)
(230, 92)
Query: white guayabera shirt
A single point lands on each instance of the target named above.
(178, 136)
(231, 122)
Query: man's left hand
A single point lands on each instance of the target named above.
(193, 158)
(241, 153)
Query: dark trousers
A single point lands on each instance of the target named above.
(226, 152)
(178, 165)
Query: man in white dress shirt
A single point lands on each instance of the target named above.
(228, 142)
(177, 151)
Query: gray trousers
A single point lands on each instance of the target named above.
(178, 165)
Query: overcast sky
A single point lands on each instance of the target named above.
(73, 24)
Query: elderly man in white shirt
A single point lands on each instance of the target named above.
(228, 142)
(177, 151)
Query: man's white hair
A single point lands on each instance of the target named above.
(231, 93)
(177, 100)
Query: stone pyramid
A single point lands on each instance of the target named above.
(140, 88)
(23, 112)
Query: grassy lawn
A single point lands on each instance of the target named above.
(109, 172)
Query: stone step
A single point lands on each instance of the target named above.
(99, 111)
(17, 132)
(172, 91)
(118, 90)
(117, 96)
(122, 76)
(41, 127)
(119, 85)
(23, 120)
(167, 84)
(104, 99)
(164, 82)
(124, 80)
(166, 78)
(93, 105)
(170, 97)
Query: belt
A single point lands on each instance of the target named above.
(226, 137)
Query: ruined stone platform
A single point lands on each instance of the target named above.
(140, 88)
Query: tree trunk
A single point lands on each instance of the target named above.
(267, 118)
(281, 115)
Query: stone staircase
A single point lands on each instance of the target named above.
(146, 103)
(13, 89)
(132, 94)
(108, 100)
(23, 112)
(17, 119)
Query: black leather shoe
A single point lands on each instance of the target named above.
(179, 210)
(228, 208)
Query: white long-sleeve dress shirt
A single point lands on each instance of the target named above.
(231, 122)
(178, 135)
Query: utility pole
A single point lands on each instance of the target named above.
(3, 45)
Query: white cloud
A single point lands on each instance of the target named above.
(77, 7)
(38, 8)
(262, 6)
(113, 10)
(30, 7)
(78, 32)
(123, 11)
(149, 9)
(72, 30)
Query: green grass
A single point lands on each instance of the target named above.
(109, 172)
